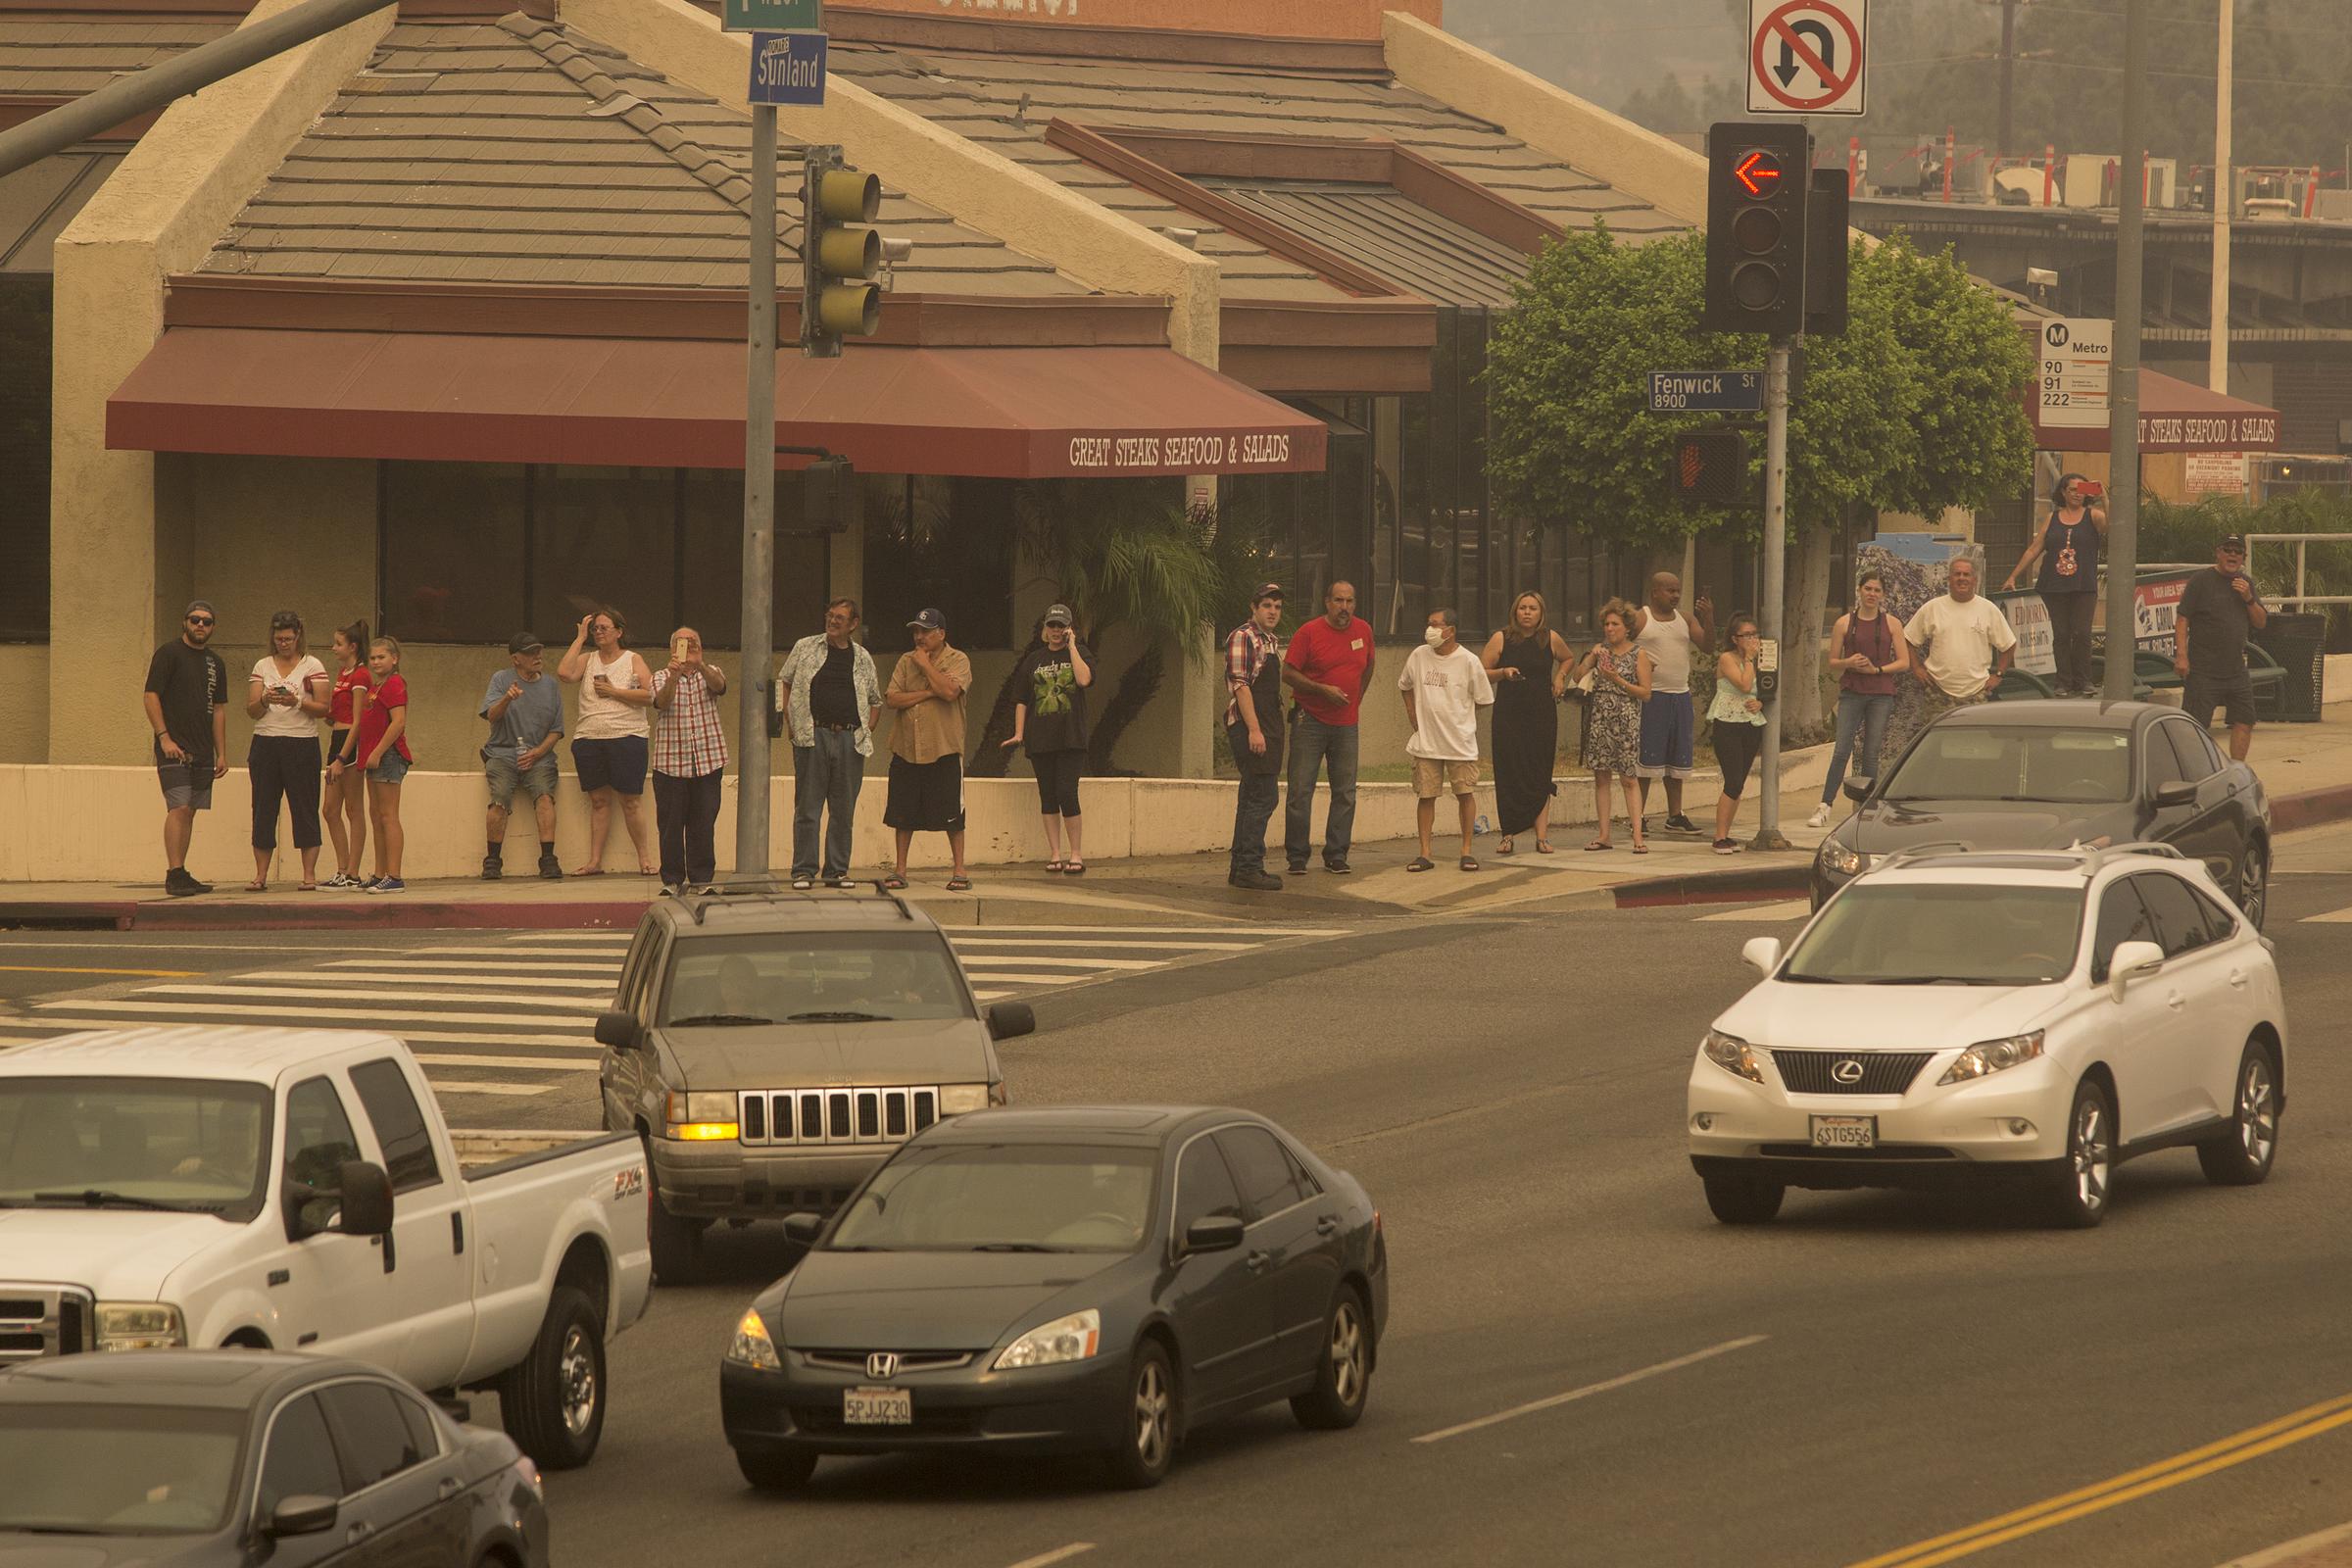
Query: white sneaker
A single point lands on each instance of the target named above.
(1820, 816)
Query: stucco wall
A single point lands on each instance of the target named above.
(23, 702)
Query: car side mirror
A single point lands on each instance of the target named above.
(1857, 790)
(1213, 1233)
(366, 1199)
(303, 1515)
(2130, 961)
(1010, 1018)
(618, 1030)
(1762, 954)
(2180, 792)
(804, 1229)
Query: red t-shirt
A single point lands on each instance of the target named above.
(339, 705)
(393, 693)
(1341, 658)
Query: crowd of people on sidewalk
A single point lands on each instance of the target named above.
(637, 724)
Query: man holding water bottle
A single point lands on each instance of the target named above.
(526, 712)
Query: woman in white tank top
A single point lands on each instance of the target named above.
(609, 740)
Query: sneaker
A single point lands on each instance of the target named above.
(493, 868)
(340, 881)
(1336, 868)
(1727, 846)
(1678, 823)
(802, 884)
(1258, 881)
(387, 884)
(181, 884)
(549, 869)
(1820, 816)
(1297, 868)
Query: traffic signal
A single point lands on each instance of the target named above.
(1709, 467)
(829, 496)
(840, 255)
(1759, 176)
(1826, 245)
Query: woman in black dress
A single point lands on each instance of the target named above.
(1528, 662)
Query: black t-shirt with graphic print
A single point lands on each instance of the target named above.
(1047, 684)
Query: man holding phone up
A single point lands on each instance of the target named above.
(2218, 610)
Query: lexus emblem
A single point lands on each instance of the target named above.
(882, 1364)
(1848, 1072)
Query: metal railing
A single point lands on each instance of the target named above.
(2302, 543)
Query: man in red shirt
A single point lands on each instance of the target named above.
(1327, 668)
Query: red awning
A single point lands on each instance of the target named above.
(988, 413)
(2177, 416)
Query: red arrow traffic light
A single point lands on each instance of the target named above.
(1758, 173)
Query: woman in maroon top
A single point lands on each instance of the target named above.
(1868, 652)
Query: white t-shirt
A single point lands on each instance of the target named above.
(1449, 690)
(1960, 640)
(292, 722)
(1666, 639)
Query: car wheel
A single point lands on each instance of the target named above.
(1343, 1370)
(2254, 885)
(1141, 1459)
(552, 1403)
(1739, 1198)
(777, 1470)
(2242, 1157)
(677, 1243)
(2080, 1188)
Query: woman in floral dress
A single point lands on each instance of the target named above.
(1613, 722)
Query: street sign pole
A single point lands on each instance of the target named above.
(758, 506)
(1776, 549)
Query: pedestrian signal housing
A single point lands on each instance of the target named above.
(1709, 468)
(1759, 176)
(840, 256)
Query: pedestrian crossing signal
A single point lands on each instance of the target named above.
(1709, 468)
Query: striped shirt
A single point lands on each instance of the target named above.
(687, 740)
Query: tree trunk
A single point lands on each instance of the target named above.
(1138, 685)
(1802, 626)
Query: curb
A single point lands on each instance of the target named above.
(419, 914)
(2310, 808)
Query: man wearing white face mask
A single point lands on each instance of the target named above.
(1444, 685)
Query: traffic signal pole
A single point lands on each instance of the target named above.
(1776, 551)
(2122, 373)
(758, 508)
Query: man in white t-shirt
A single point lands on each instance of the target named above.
(1444, 685)
(1966, 646)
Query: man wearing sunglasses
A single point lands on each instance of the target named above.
(186, 683)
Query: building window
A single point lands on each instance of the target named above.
(452, 538)
(606, 538)
(24, 337)
(943, 544)
(711, 575)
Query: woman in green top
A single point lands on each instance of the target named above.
(1736, 720)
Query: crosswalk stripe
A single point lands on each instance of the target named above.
(959, 939)
(405, 977)
(1030, 979)
(2331, 917)
(332, 994)
(1050, 961)
(465, 1085)
(430, 1037)
(370, 1017)
(510, 1062)
(507, 965)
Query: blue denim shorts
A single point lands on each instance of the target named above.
(391, 770)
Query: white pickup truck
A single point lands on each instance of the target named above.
(296, 1189)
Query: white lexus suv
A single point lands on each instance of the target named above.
(2035, 1016)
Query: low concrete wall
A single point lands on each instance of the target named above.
(25, 701)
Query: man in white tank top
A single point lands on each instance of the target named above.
(1668, 721)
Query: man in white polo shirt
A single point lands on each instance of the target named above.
(1966, 647)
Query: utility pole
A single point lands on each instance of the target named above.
(2224, 190)
(1775, 551)
(2009, 71)
(2123, 397)
(758, 506)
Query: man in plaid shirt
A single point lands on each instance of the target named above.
(689, 761)
(1253, 681)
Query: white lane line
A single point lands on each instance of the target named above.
(510, 1062)
(374, 1005)
(1035, 960)
(1057, 1554)
(961, 940)
(1262, 932)
(1030, 979)
(379, 1020)
(569, 937)
(2331, 917)
(10, 941)
(1797, 910)
(443, 1088)
(1590, 1388)
(403, 978)
(496, 965)
(433, 1036)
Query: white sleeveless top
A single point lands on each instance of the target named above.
(1666, 639)
(607, 719)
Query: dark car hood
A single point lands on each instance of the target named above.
(1885, 826)
(920, 1301)
(21, 1549)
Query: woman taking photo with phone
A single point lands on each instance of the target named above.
(2068, 583)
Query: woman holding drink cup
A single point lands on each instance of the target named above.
(609, 744)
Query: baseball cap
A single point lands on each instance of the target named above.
(929, 620)
(2232, 541)
(205, 605)
(1267, 590)
(522, 641)
(1057, 616)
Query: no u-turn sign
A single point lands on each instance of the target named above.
(1807, 57)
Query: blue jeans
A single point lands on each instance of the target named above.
(825, 783)
(1867, 715)
(1311, 742)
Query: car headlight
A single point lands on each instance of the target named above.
(956, 1099)
(702, 1117)
(1075, 1337)
(140, 1326)
(1841, 859)
(1733, 1055)
(752, 1346)
(1990, 1056)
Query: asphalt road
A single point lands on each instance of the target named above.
(1885, 1369)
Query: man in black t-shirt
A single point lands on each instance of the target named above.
(186, 702)
(2218, 610)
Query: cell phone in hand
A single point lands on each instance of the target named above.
(2093, 489)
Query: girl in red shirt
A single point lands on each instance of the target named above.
(346, 792)
(383, 750)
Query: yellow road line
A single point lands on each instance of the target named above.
(2251, 1443)
(42, 968)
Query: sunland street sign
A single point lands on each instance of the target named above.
(771, 15)
(788, 68)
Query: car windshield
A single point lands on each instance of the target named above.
(117, 1470)
(832, 978)
(2023, 763)
(1941, 933)
(134, 1143)
(1003, 1198)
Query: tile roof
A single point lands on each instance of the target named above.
(1005, 102)
(62, 55)
(1387, 233)
(517, 150)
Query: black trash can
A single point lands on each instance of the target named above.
(2299, 643)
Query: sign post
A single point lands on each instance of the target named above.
(1807, 57)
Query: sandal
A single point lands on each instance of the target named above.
(1640, 849)
(1073, 868)
(893, 882)
(256, 887)
(1469, 865)
(308, 887)
(1055, 867)
(589, 870)
(1598, 844)
(1421, 863)
(1544, 847)
(959, 884)
(1509, 845)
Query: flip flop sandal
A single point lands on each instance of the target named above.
(1422, 863)
(1055, 867)
(956, 884)
(1544, 847)
(594, 870)
(256, 887)
(1640, 849)
(308, 887)
(1074, 868)
(1469, 865)
(1506, 846)
(894, 883)
(1598, 844)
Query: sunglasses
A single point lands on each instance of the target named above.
(200, 621)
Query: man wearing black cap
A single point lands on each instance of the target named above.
(186, 685)
(1254, 729)
(2218, 610)
(525, 711)
(926, 744)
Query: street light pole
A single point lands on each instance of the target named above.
(759, 505)
(2223, 189)
(2123, 397)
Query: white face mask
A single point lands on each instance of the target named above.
(1433, 635)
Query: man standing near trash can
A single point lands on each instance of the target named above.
(2218, 610)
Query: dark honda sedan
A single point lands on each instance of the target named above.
(225, 1458)
(2038, 775)
(1090, 1281)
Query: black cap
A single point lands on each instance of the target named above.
(1058, 615)
(929, 620)
(1265, 591)
(522, 641)
(2231, 541)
